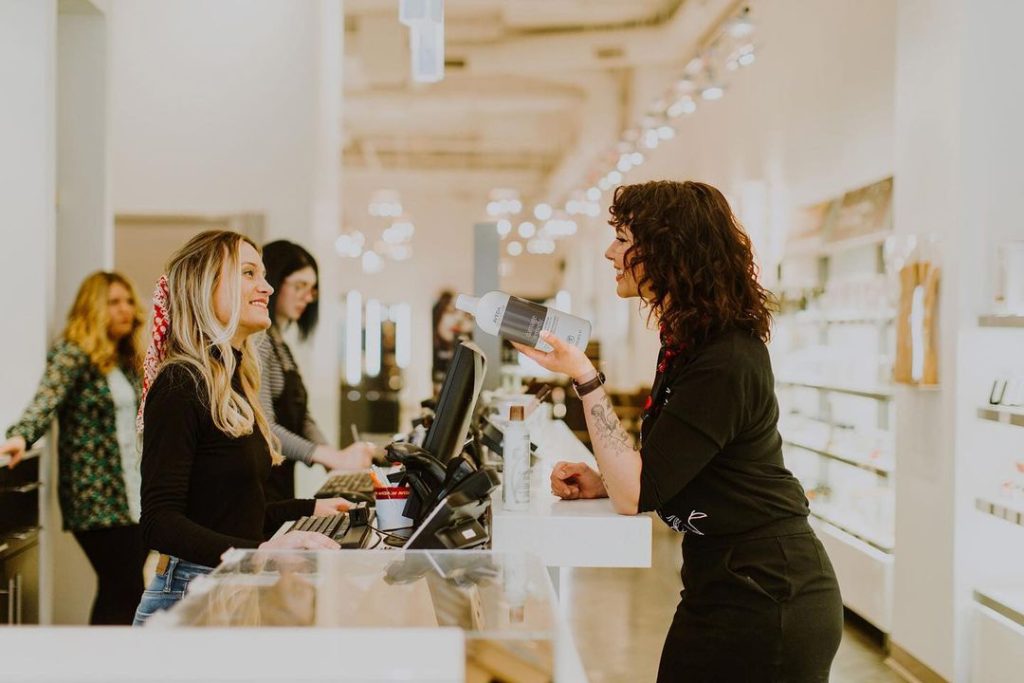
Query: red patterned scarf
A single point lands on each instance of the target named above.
(157, 350)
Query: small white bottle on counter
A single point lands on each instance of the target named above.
(515, 447)
(521, 321)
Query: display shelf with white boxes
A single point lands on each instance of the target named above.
(1001, 320)
(853, 499)
(864, 572)
(868, 449)
(879, 393)
(1006, 509)
(998, 634)
(833, 349)
(991, 475)
(1009, 416)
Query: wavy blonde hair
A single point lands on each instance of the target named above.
(193, 275)
(89, 324)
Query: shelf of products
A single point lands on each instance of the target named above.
(842, 519)
(879, 467)
(998, 634)
(877, 393)
(873, 239)
(997, 320)
(844, 318)
(1007, 416)
(1007, 510)
(1007, 602)
(833, 353)
(865, 573)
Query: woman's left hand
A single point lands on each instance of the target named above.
(564, 358)
(331, 506)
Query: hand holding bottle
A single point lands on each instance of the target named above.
(564, 358)
(519, 320)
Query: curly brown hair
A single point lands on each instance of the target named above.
(693, 259)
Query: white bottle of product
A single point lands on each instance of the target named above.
(515, 448)
(522, 321)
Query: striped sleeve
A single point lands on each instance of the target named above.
(293, 446)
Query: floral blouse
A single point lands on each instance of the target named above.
(91, 487)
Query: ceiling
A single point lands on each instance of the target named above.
(519, 113)
(534, 91)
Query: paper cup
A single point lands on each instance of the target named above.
(390, 504)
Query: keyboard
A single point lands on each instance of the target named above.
(350, 482)
(340, 527)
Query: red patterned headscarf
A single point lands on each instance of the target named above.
(157, 350)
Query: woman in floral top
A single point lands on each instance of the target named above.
(91, 385)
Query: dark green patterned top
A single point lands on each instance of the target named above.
(91, 489)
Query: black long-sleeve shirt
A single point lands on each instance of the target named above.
(202, 490)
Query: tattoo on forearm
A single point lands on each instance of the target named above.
(609, 427)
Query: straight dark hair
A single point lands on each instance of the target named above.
(282, 258)
(693, 256)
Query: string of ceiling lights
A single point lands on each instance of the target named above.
(729, 48)
(395, 241)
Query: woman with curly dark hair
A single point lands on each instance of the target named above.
(760, 600)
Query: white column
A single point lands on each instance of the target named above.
(85, 229)
(959, 103)
(322, 368)
(927, 200)
(84, 244)
(27, 170)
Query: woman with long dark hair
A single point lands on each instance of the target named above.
(292, 272)
(760, 599)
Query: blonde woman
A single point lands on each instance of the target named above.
(207, 448)
(91, 385)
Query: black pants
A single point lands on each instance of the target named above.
(116, 555)
(758, 610)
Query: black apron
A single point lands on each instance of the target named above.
(290, 412)
(761, 606)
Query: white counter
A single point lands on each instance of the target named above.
(113, 654)
(569, 533)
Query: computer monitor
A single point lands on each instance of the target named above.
(456, 402)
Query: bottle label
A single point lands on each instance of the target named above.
(523, 321)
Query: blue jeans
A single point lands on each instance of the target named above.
(166, 589)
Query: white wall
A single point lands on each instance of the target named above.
(810, 119)
(229, 107)
(27, 182)
(84, 222)
(28, 76)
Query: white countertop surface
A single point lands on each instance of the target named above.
(569, 533)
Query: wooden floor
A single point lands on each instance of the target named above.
(619, 618)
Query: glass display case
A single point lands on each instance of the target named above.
(503, 603)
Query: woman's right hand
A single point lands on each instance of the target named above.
(300, 540)
(572, 480)
(358, 456)
(14, 447)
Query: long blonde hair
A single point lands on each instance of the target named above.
(89, 323)
(193, 274)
